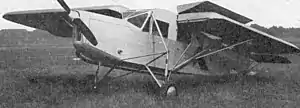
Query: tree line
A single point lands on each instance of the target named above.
(279, 31)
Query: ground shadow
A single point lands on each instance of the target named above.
(84, 85)
(228, 79)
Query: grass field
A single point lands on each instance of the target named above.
(45, 76)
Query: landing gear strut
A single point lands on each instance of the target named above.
(167, 88)
(103, 77)
(96, 76)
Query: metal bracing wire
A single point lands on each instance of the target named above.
(198, 55)
(144, 56)
(229, 47)
(182, 54)
(177, 62)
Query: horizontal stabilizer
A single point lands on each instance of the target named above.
(211, 36)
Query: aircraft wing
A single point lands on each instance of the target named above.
(209, 6)
(262, 48)
(55, 20)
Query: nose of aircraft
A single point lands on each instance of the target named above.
(75, 16)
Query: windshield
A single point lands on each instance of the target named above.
(163, 27)
(131, 13)
(138, 20)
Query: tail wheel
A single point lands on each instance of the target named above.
(168, 90)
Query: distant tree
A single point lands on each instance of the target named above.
(261, 28)
(279, 31)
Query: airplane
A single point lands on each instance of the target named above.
(202, 38)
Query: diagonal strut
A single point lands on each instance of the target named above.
(198, 55)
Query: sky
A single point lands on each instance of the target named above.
(263, 12)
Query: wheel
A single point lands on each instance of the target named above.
(168, 90)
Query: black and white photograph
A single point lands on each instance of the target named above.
(150, 54)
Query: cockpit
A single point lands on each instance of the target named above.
(141, 20)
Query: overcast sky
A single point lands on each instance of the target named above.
(264, 12)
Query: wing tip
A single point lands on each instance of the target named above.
(210, 6)
(9, 16)
(6, 16)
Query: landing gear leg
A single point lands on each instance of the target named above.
(103, 77)
(96, 75)
(166, 87)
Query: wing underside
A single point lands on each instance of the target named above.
(263, 47)
(208, 6)
(55, 21)
(52, 21)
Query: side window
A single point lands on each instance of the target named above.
(164, 27)
(138, 20)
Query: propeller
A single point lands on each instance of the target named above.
(64, 5)
(84, 29)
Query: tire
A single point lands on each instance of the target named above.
(168, 90)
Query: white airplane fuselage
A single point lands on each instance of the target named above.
(118, 40)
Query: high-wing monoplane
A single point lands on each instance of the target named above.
(202, 38)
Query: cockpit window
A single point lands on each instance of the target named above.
(164, 27)
(138, 20)
(130, 13)
(107, 12)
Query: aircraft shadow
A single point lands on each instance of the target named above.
(227, 82)
(83, 85)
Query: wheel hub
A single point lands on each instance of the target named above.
(171, 90)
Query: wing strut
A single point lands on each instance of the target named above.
(201, 55)
(182, 54)
(165, 45)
